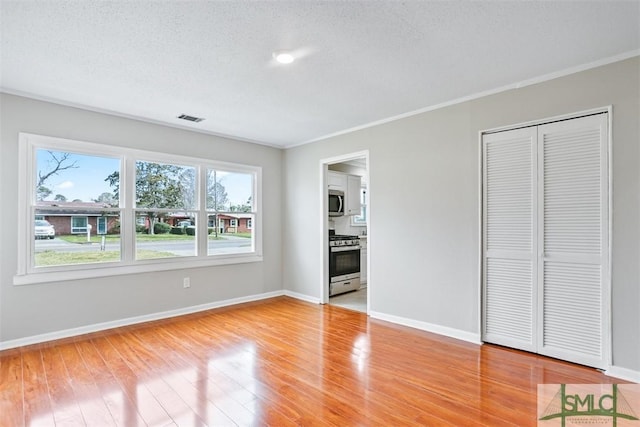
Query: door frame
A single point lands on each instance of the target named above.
(607, 350)
(324, 222)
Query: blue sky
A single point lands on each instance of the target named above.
(87, 181)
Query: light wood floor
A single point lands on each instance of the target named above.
(279, 362)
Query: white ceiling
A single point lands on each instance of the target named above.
(359, 62)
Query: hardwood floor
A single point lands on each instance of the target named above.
(278, 362)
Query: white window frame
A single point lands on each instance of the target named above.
(28, 274)
(79, 230)
(360, 220)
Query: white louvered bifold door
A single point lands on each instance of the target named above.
(546, 239)
(573, 239)
(509, 253)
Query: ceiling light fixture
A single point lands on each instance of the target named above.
(283, 57)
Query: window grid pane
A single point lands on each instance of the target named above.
(162, 234)
(56, 244)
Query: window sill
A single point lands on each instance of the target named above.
(159, 265)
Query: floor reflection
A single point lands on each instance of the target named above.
(278, 362)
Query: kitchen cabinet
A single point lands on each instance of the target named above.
(352, 195)
(363, 259)
(350, 186)
(337, 181)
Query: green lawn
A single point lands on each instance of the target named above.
(140, 237)
(114, 238)
(247, 235)
(48, 258)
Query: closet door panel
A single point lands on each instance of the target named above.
(572, 309)
(573, 230)
(508, 207)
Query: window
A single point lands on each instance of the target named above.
(115, 211)
(361, 220)
(102, 225)
(79, 224)
(70, 189)
(164, 190)
(230, 195)
(249, 223)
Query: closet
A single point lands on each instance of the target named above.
(545, 263)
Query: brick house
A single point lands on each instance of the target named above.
(235, 223)
(240, 222)
(75, 217)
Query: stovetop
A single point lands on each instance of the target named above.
(342, 237)
(334, 236)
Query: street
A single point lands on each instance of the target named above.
(229, 244)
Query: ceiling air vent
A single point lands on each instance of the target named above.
(190, 118)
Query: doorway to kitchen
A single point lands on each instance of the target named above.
(345, 231)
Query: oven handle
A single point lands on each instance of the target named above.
(344, 248)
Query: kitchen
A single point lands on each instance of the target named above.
(347, 195)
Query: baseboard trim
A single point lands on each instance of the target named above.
(302, 297)
(429, 327)
(623, 373)
(97, 327)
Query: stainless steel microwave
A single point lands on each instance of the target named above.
(336, 203)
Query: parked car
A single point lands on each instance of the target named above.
(44, 230)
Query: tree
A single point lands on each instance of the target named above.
(188, 182)
(56, 164)
(60, 198)
(244, 207)
(217, 197)
(42, 192)
(106, 198)
(157, 186)
(114, 181)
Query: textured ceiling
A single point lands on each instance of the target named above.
(359, 61)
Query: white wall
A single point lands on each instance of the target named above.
(424, 216)
(30, 310)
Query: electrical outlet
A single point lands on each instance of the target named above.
(186, 282)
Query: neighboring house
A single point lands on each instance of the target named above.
(240, 222)
(235, 223)
(75, 217)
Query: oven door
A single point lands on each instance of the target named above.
(344, 262)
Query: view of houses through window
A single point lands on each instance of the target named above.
(79, 206)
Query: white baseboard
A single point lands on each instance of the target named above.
(96, 327)
(429, 327)
(302, 297)
(623, 373)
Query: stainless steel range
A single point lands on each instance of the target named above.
(344, 263)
